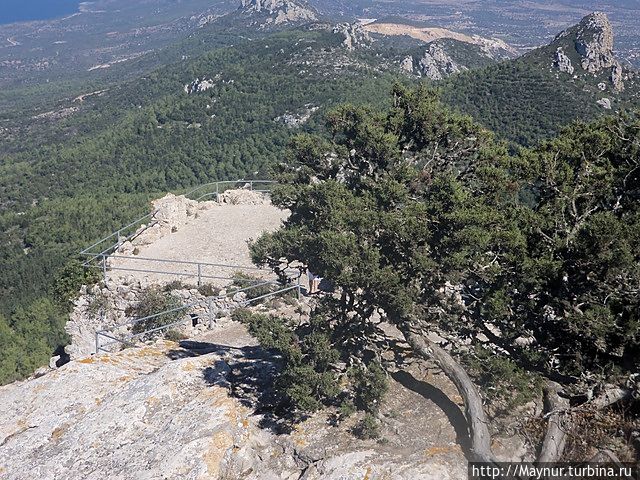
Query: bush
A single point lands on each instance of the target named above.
(175, 336)
(243, 280)
(368, 428)
(176, 285)
(68, 281)
(306, 378)
(209, 290)
(369, 384)
(153, 301)
(99, 304)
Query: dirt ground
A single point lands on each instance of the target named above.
(218, 235)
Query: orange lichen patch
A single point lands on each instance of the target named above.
(220, 443)
(87, 360)
(189, 367)
(59, 431)
(367, 474)
(298, 436)
(245, 423)
(433, 451)
(153, 402)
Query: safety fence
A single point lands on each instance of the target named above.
(127, 335)
(110, 244)
(103, 255)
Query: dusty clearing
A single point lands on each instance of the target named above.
(216, 235)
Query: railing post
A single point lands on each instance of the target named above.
(299, 288)
(212, 316)
(199, 275)
(217, 192)
(118, 244)
(97, 341)
(104, 268)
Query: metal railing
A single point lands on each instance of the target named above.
(190, 269)
(103, 254)
(129, 339)
(112, 242)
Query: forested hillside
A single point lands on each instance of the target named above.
(96, 170)
(77, 164)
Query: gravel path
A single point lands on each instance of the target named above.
(218, 235)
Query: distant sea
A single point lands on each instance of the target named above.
(12, 11)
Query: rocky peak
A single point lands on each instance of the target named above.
(280, 11)
(353, 34)
(592, 40)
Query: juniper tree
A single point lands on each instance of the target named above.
(421, 216)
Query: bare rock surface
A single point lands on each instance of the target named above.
(279, 12)
(169, 411)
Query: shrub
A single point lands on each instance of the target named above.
(98, 304)
(209, 290)
(369, 384)
(175, 336)
(153, 301)
(244, 280)
(367, 428)
(176, 285)
(69, 280)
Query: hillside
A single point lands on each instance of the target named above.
(220, 114)
(577, 76)
(80, 162)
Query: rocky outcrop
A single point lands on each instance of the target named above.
(407, 64)
(199, 85)
(562, 62)
(170, 411)
(293, 120)
(107, 306)
(353, 34)
(436, 64)
(605, 103)
(593, 41)
(278, 12)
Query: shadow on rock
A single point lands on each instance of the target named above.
(437, 396)
(248, 373)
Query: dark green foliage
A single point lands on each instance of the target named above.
(525, 101)
(369, 386)
(368, 428)
(176, 285)
(506, 385)
(69, 280)
(30, 338)
(313, 372)
(422, 214)
(153, 301)
(67, 183)
(247, 281)
(209, 290)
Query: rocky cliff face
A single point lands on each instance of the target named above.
(278, 12)
(441, 58)
(353, 34)
(188, 411)
(436, 64)
(591, 43)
